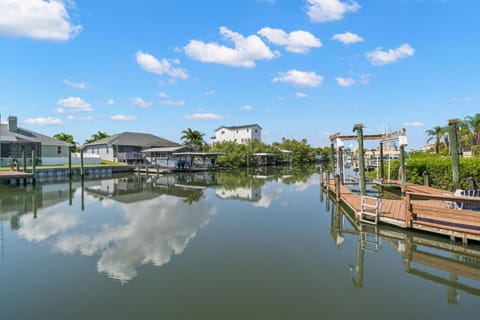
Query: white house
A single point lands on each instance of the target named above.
(238, 134)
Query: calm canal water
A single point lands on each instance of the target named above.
(262, 245)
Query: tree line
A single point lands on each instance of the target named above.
(468, 135)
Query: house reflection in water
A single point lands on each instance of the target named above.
(432, 258)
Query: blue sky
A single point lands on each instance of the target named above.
(300, 69)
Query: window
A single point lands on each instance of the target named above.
(59, 150)
(248, 130)
(256, 130)
(223, 132)
(237, 130)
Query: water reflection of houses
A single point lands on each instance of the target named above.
(243, 193)
(433, 258)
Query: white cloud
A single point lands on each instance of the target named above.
(300, 78)
(296, 41)
(163, 95)
(44, 121)
(205, 116)
(245, 52)
(330, 10)
(379, 57)
(347, 38)
(75, 118)
(121, 117)
(462, 99)
(301, 95)
(345, 82)
(77, 85)
(211, 92)
(59, 110)
(178, 103)
(139, 102)
(37, 19)
(36, 230)
(110, 101)
(74, 104)
(151, 64)
(414, 124)
(246, 107)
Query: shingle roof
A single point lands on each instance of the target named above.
(24, 135)
(144, 140)
(238, 127)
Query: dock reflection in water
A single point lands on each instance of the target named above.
(432, 258)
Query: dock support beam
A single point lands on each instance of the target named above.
(337, 187)
(332, 157)
(453, 127)
(361, 157)
(340, 163)
(34, 165)
(24, 160)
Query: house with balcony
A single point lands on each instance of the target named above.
(239, 134)
(126, 147)
(15, 142)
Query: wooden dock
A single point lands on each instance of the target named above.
(423, 208)
(15, 175)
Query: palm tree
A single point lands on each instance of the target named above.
(67, 138)
(193, 138)
(436, 133)
(473, 123)
(97, 136)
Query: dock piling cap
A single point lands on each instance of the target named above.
(357, 126)
(453, 121)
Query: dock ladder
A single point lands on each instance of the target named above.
(369, 238)
(370, 209)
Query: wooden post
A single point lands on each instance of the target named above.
(337, 187)
(70, 163)
(340, 163)
(81, 164)
(453, 127)
(24, 159)
(34, 160)
(146, 170)
(382, 169)
(425, 178)
(408, 211)
(403, 170)
(332, 157)
(361, 159)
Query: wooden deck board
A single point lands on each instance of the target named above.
(428, 214)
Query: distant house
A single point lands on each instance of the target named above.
(127, 146)
(238, 134)
(16, 141)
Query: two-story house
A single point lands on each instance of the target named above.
(238, 134)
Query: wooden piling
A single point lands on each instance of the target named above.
(403, 170)
(340, 163)
(82, 169)
(382, 169)
(332, 157)
(361, 158)
(24, 159)
(453, 128)
(34, 165)
(337, 187)
(70, 163)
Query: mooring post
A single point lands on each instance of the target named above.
(340, 163)
(453, 128)
(425, 178)
(81, 164)
(403, 170)
(24, 159)
(361, 159)
(34, 160)
(70, 163)
(382, 169)
(337, 187)
(332, 157)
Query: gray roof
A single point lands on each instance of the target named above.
(25, 136)
(165, 149)
(239, 127)
(144, 140)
